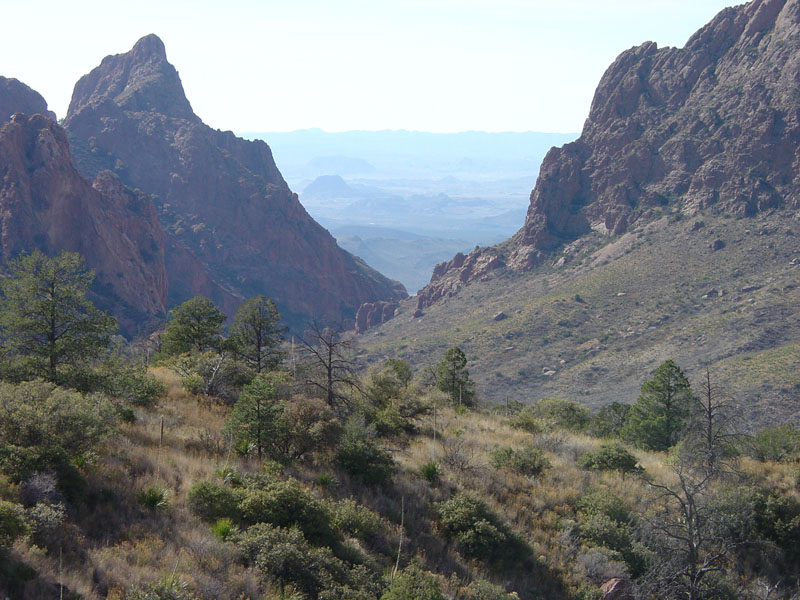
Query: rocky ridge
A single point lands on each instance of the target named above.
(15, 97)
(46, 204)
(713, 125)
(234, 228)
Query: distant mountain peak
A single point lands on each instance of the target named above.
(149, 45)
(140, 80)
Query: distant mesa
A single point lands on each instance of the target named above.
(712, 125)
(329, 187)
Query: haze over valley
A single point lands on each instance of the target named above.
(405, 200)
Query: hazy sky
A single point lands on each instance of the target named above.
(433, 65)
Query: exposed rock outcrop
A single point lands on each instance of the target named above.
(713, 124)
(46, 204)
(15, 97)
(221, 199)
(372, 314)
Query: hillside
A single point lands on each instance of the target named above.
(619, 307)
(682, 186)
(473, 506)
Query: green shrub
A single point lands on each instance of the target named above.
(431, 472)
(603, 502)
(212, 501)
(360, 456)
(526, 420)
(529, 461)
(154, 497)
(610, 457)
(610, 420)
(414, 584)
(781, 443)
(284, 556)
(479, 532)
(12, 522)
(598, 529)
(354, 519)
(224, 529)
(483, 590)
(563, 413)
(286, 503)
(326, 480)
(778, 520)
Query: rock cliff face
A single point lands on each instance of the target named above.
(234, 228)
(15, 97)
(713, 124)
(46, 204)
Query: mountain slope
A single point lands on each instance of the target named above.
(669, 229)
(221, 199)
(46, 204)
(713, 125)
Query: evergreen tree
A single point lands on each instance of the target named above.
(452, 377)
(46, 317)
(256, 416)
(256, 333)
(659, 417)
(195, 325)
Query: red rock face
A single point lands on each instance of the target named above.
(716, 123)
(46, 204)
(221, 199)
(372, 314)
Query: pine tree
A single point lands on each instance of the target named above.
(195, 325)
(46, 317)
(659, 417)
(452, 377)
(256, 333)
(256, 416)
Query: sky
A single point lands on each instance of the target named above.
(425, 65)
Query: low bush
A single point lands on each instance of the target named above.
(529, 461)
(526, 420)
(478, 531)
(610, 457)
(431, 472)
(361, 456)
(212, 501)
(224, 529)
(781, 443)
(284, 504)
(353, 519)
(154, 497)
(285, 557)
(413, 583)
(483, 590)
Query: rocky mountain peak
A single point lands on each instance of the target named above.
(140, 80)
(714, 125)
(16, 97)
(233, 228)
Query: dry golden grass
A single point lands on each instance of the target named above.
(132, 545)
